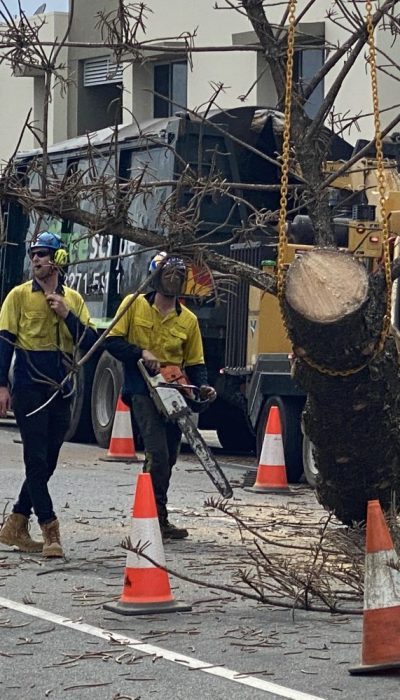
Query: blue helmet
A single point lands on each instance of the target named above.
(46, 239)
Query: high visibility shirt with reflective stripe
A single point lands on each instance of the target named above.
(174, 338)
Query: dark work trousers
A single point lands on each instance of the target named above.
(42, 436)
(161, 441)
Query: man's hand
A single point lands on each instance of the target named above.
(207, 393)
(150, 361)
(57, 303)
(5, 401)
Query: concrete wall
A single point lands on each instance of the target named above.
(56, 24)
(13, 112)
(19, 94)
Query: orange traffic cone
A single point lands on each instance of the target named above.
(146, 587)
(122, 444)
(271, 472)
(381, 619)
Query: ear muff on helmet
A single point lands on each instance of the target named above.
(61, 257)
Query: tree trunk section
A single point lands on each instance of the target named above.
(334, 314)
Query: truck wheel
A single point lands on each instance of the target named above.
(233, 431)
(81, 428)
(107, 384)
(290, 409)
(310, 468)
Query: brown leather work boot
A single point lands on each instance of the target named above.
(51, 535)
(14, 532)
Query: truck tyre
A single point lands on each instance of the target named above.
(81, 428)
(233, 432)
(107, 384)
(310, 468)
(290, 409)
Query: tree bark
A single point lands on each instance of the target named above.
(333, 311)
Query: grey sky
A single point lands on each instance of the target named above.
(30, 6)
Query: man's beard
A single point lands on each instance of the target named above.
(43, 272)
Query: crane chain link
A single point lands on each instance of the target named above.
(282, 240)
(380, 168)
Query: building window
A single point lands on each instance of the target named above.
(307, 63)
(101, 71)
(170, 88)
(99, 95)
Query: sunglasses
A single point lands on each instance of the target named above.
(39, 253)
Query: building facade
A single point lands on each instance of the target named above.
(101, 94)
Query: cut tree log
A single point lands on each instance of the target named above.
(334, 313)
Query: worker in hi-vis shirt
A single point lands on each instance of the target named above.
(43, 322)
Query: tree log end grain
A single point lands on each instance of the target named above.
(333, 309)
(326, 285)
(352, 412)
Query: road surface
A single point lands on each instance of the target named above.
(58, 642)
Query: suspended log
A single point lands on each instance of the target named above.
(334, 312)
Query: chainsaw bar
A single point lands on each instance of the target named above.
(171, 404)
(205, 456)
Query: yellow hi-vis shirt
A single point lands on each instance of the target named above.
(27, 315)
(42, 340)
(174, 339)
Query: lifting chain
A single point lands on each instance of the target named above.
(381, 174)
(282, 240)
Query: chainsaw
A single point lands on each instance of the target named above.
(169, 399)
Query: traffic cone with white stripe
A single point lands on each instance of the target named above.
(146, 588)
(122, 444)
(271, 472)
(381, 618)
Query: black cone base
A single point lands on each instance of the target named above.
(147, 608)
(373, 668)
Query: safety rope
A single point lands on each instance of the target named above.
(282, 240)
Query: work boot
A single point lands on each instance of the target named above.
(15, 532)
(168, 530)
(51, 535)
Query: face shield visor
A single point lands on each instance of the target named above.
(170, 279)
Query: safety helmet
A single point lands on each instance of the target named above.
(46, 239)
(173, 260)
(169, 278)
(49, 240)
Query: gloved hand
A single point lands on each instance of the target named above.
(207, 393)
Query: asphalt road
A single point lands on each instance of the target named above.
(57, 641)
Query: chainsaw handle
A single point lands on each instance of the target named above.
(195, 405)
